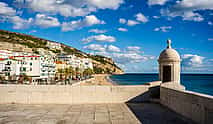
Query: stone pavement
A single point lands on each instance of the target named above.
(67, 114)
(152, 113)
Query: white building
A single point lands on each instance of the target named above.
(47, 67)
(76, 62)
(36, 66)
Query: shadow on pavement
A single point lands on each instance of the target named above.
(153, 113)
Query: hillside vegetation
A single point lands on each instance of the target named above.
(26, 43)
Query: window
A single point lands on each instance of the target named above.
(31, 69)
(31, 63)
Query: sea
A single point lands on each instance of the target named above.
(202, 83)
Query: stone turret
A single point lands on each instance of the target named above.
(169, 65)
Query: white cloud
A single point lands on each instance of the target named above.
(5, 10)
(187, 9)
(122, 20)
(87, 21)
(141, 18)
(124, 58)
(156, 17)
(95, 47)
(210, 39)
(210, 23)
(62, 7)
(190, 60)
(99, 38)
(132, 23)
(112, 48)
(102, 4)
(32, 31)
(163, 28)
(69, 7)
(122, 29)
(157, 2)
(19, 23)
(46, 21)
(133, 49)
(98, 31)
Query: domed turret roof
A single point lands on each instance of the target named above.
(169, 54)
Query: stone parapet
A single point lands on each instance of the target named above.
(195, 106)
(67, 94)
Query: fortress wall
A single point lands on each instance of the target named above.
(66, 94)
(195, 106)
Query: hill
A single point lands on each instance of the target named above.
(26, 43)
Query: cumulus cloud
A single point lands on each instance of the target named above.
(163, 28)
(190, 60)
(141, 18)
(19, 23)
(132, 22)
(210, 39)
(69, 7)
(157, 2)
(99, 38)
(210, 23)
(102, 4)
(133, 49)
(87, 21)
(122, 20)
(187, 9)
(5, 10)
(95, 47)
(46, 21)
(122, 29)
(97, 31)
(112, 48)
(124, 58)
(156, 17)
(129, 57)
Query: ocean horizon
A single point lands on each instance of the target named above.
(201, 83)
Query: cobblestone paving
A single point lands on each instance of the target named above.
(67, 114)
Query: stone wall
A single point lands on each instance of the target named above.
(195, 106)
(66, 94)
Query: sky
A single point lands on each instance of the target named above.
(131, 32)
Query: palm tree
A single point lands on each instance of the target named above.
(77, 72)
(87, 72)
(60, 72)
(72, 71)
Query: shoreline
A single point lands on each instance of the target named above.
(100, 79)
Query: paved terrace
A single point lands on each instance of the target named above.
(87, 114)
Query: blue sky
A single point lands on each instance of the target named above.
(132, 32)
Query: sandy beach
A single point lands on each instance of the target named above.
(99, 79)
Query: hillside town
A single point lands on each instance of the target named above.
(42, 68)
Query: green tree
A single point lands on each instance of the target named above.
(98, 70)
(60, 73)
(87, 72)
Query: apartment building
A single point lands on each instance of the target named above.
(76, 62)
(39, 68)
